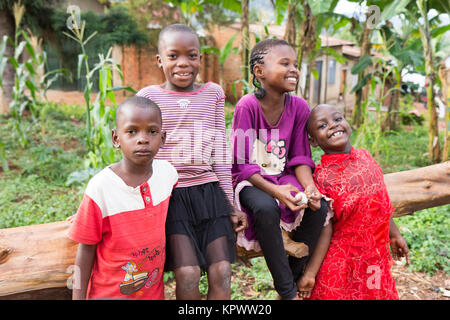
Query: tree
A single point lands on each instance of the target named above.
(430, 78)
(36, 19)
(245, 45)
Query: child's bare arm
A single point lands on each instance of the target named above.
(83, 262)
(305, 177)
(320, 251)
(307, 281)
(399, 246)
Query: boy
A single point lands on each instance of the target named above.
(120, 222)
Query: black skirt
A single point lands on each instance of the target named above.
(198, 227)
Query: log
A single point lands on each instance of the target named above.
(419, 189)
(35, 258)
(36, 261)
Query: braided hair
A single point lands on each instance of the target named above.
(257, 55)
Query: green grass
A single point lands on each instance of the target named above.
(428, 238)
(33, 191)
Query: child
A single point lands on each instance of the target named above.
(199, 230)
(120, 222)
(272, 163)
(357, 264)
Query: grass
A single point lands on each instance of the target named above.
(34, 191)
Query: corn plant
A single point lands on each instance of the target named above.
(30, 88)
(370, 134)
(100, 116)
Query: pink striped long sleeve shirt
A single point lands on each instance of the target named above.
(196, 142)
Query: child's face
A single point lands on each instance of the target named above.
(329, 130)
(138, 134)
(279, 70)
(179, 57)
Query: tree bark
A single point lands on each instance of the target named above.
(361, 94)
(444, 74)
(245, 42)
(430, 76)
(290, 33)
(306, 44)
(7, 28)
(392, 117)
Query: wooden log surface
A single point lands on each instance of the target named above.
(35, 257)
(36, 261)
(419, 189)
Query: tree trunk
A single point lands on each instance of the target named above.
(433, 130)
(245, 42)
(419, 189)
(37, 260)
(392, 117)
(306, 44)
(290, 33)
(444, 74)
(361, 94)
(7, 28)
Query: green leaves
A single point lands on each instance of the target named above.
(361, 65)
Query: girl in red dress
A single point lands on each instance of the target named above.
(357, 264)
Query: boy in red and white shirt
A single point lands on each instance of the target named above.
(120, 222)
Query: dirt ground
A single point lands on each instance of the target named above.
(75, 97)
(410, 285)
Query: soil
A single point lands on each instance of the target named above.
(410, 285)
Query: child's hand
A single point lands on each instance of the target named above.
(305, 285)
(284, 194)
(314, 197)
(399, 248)
(239, 220)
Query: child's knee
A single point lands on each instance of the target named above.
(187, 278)
(220, 275)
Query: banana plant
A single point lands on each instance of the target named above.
(222, 55)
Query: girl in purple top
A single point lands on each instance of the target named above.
(272, 163)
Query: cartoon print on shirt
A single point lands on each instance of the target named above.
(184, 103)
(134, 279)
(271, 157)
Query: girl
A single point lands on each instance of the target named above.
(198, 228)
(272, 163)
(357, 264)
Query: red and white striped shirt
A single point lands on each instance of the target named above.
(195, 125)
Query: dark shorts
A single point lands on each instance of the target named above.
(198, 227)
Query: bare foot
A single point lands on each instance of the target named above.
(293, 248)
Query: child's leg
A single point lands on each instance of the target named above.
(218, 261)
(219, 280)
(185, 266)
(187, 281)
(266, 213)
(308, 232)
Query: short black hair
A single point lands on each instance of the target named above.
(141, 102)
(257, 55)
(177, 27)
(307, 127)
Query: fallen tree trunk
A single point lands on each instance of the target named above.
(419, 189)
(36, 261)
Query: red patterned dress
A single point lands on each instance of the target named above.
(358, 262)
